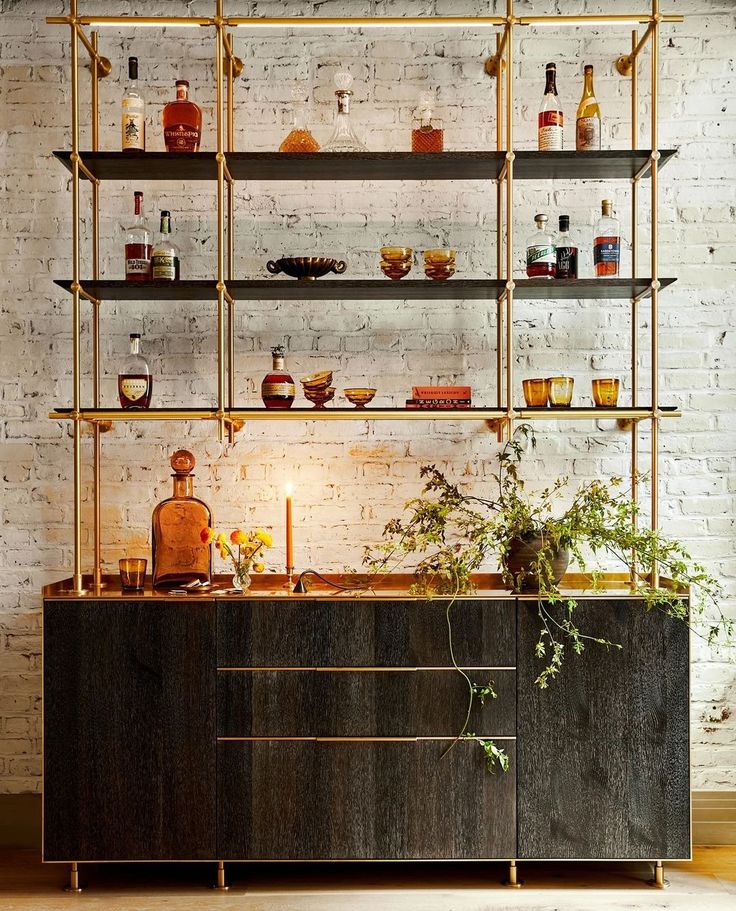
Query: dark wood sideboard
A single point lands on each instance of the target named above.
(302, 728)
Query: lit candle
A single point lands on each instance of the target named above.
(289, 532)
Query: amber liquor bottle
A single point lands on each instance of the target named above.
(135, 382)
(179, 554)
(138, 245)
(182, 121)
(551, 120)
(607, 243)
(277, 388)
(427, 133)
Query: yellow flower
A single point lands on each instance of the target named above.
(239, 537)
(221, 541)
(264, 537)
(207, 535)
(259, 567)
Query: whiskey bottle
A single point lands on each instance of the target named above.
(550, 121)
(277, 388)
(607, 243)
(344, 138)
(541, 259)
(182, 121)
(566, 251)
(299, 139)
(138, 245)
(179, 554)
(133, 112)
(165, 256)
(588, 124)
(427, 134)
(135, 383)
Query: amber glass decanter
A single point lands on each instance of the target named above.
(277, 388)
(179, 554)
(182, 121)
(427, 134)
(299, 139)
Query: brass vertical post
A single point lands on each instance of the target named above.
(76, 316)
(509, 216)
(658, 880)
(230, 242)
(513, 880)
(634, 271)
(97, 571)
(221, 885)
(73, 885)
(220, 226)
(499, 234)
(655, 282)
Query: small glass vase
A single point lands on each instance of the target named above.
(242, 580)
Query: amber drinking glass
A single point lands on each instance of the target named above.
(560, 391)
(536, 392)
(132, 573)
(605, 392)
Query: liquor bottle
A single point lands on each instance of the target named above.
(427, 134)
(179, 554)
(607, 243)
(182, 121)
(566, 251)
(299, 139)
(138, 245)
(541, 260)
(344, 138)
(588, 124)
(551, 120)
(133, 112)
(135, 382)
(165, 256)
(277, 388)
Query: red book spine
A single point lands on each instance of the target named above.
(441, 392)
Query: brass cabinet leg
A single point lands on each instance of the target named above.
(658, 881)
(73, 879)
(513, 882)
(221, 887)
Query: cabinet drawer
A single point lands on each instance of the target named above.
(369, 703)
(300, 800)
(365, 633)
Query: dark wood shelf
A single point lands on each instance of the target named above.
(373, 289)
(611, 164)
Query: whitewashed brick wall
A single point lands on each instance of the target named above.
(351, 477)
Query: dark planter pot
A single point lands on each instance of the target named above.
(523, 554)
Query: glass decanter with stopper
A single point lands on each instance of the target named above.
(179, 553)
(135, 382)
(541, 256)
(277, 388)
(299, 139)
(344, 138)
(427, 133)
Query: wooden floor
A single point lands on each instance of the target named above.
(706, 884)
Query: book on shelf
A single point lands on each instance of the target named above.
(441, 393)
(439, 404)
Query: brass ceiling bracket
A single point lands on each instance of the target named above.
(625, 65)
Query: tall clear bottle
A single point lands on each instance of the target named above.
(344, 138)
(179, 553)
(165, 255)
(133, 118)
(299, 139)
(550, 122)
(588, 123)
(135, 381)
(607, 243)
(541, 256)
(138, 245)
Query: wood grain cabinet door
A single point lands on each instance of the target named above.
(366, 800)
(129, 730)
(603, 753)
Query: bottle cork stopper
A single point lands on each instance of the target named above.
(183, 462)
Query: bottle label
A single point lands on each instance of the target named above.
(138, 260)
(549, 131)
(181, 138)
(134, 127)
(163, 267)
(567, 262)
(588, 134)
(134, 389)
(272, 390)
(539, 254)
(606, 251)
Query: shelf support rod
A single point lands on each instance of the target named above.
(635, 300)
(232, 71)
(508, 32)
(221, 287)
(499, 246)
(655, 283)
(96, 429)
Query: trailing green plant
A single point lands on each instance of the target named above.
(451, 535)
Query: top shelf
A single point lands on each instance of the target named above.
(611, 164)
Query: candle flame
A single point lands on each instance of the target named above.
(289, 488)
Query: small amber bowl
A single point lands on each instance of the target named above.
(560, 391)
(395, 270)
(397, 254)
(439, 273)
(320, 397)
(360, 397)
(319, 380)
(440, 257)
(536, 392)
(605, 392)
(132, 573)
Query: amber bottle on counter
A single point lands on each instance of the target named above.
(179, 554)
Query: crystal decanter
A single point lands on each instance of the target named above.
(427, 134)
(344, 138)
(299, 139)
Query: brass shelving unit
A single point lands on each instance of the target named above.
(224, 166)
